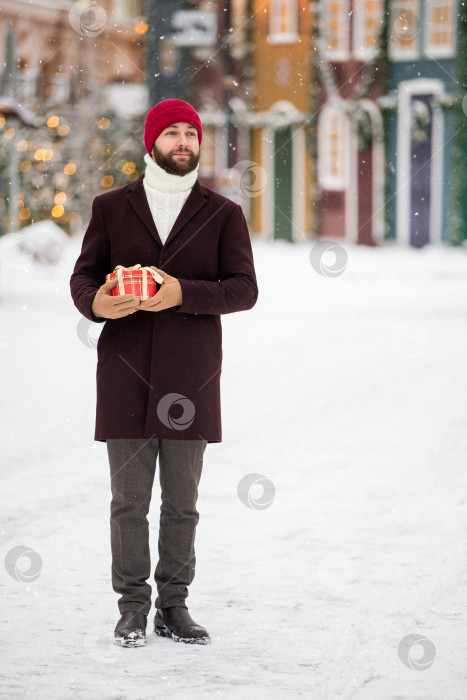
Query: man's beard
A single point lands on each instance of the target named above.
(176, 166)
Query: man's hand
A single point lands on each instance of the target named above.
(169, 294)
(106, 306)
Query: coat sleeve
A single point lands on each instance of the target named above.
(236, 289)
(92, 265)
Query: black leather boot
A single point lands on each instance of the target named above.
(131, 629)
(176, 623)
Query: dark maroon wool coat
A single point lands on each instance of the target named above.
(158, 373)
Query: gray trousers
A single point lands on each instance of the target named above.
(132, 470)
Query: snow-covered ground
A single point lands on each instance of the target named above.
(349, 395)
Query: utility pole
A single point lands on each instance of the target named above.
(168, 65)
(229, 86)
(9, 87)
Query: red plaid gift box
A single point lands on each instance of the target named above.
(137, 280)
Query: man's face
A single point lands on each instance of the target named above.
(177, 149)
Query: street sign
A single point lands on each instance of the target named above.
(194, 28)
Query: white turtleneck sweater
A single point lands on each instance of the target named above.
(166, 194)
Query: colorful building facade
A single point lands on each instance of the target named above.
(380, 84)
(278, 120)
(423, 131)
(350, 149)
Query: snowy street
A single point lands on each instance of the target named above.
(349, 395)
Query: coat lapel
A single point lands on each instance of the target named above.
(195, 200)
(138, 200)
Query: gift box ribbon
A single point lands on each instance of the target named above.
(145, 270)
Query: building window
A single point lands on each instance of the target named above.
(283, 21)
(440, 29)
(332, 140)
(404, 30)
(368, 15)
(207, 161)
(336, 28)
(238, 25)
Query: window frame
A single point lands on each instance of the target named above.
(431, 50)
(275, 35)
(342, 53)
(358, 35)
(327, 180)
(395, 52)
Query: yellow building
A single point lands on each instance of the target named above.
(281, 203)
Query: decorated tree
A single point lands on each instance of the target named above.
(77, 153)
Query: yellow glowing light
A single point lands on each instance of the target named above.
(63, 129)
(25, 213)
(103, 123)
(60, 198)
(128, 168)
(25, 166)
(141, 28)
(57, 211)
(107, 181)
(22, 145)
(19, 202)
(9, 133)
(40, 154)
(2, 122)
(48, 154)
(52, 122)
(69, 169)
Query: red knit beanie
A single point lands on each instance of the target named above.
(166, 113)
